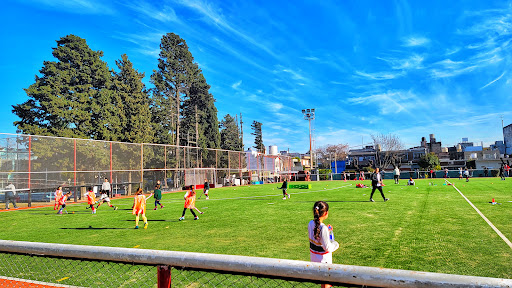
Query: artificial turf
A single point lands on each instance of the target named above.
(427, 227)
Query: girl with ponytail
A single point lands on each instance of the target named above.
(321, 245)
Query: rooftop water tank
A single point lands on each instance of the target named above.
(272, 150)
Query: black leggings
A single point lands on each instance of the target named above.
(191, 211)
(380, 189)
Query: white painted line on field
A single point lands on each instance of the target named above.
(24, 281)
(483, 217)
(275, 195)
(246, 197)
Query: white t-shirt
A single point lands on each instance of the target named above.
(105, 186)
(321, 249)
(12, 188)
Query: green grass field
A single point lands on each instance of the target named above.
(423, 227)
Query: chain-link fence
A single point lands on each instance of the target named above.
(26, 268)
(29, 264)
(414, 174)
(37, 165)
(22, 270)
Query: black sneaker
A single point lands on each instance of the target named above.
(386, 199)
(371, 200)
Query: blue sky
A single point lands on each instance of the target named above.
(410, 68)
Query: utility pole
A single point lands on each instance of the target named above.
(503, 133)
(178, 106)
(241, 132)
(197, 129)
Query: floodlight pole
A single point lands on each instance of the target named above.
(309, 114)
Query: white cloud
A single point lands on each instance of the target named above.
(452, 51)
(77, 6)
(391, 102)
(415, 41)
(236, 85)
(240, 55)
(213, 17)
(490, 83)
(163, 14)
(150, 52)
(146, 39)
(275, 106)
(444, 73)
(412, 62)
(295, 75)
(379, 75)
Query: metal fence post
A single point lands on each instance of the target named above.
(164, 276)
(29, 171)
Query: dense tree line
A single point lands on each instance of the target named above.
(79, 96)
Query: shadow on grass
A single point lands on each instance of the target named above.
(154, 220)
(329, 201)
(55, 213)
(92, 228)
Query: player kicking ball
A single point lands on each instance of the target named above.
(284, 187)
(104, 198)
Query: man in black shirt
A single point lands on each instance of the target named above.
(377, 184)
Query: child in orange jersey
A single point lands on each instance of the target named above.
(190, 203)
(91, 199)
(62, 202)
(58, 195)
(139, 208)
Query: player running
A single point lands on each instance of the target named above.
(206, 188)
(91, 199)
(139, 208)
(62, 202)
(104, 198)
(284, 187)
(58, 195)
(158, 196)
(190, 201)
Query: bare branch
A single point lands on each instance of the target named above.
(389, 150)
(328, 153)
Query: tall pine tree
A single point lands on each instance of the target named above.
(71, 98)
(136, 117)
(181, 89)
(229, 134)
(172, 81)
(258, 136)
(200, 114)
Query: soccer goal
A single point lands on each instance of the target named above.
(196, 176)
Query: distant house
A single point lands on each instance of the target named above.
(432, 146)
(483, 158)
(361, 157)
(507, 137)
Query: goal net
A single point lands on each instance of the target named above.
(196, 176)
